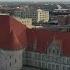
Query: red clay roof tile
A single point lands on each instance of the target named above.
(12, 33)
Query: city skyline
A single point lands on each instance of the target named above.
(36, 0)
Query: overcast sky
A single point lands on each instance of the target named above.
(37, 0)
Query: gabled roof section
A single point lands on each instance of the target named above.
(19, 30)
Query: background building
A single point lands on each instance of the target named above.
(63, 19)
(42, 15)
(26, 13)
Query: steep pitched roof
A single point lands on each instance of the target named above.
(19, 31)
(12, 33)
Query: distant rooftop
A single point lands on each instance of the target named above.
(4, 14)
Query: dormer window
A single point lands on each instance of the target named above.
(53, 51)
(54, 48)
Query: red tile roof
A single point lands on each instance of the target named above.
(44, 39)
(12, 33)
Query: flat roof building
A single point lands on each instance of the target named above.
(42, 15)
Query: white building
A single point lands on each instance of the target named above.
(27, 22)
(42, 15)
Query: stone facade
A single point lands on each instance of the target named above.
(10, 60)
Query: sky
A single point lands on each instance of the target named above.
(38, 0)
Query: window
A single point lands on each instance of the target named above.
(57, 59)
(46, 65)
(35, 56)
(10, 57)
(15, 60)
(57, 67)
(43, 65)
(10, 64)
(68, 68)
(40, 13)
(49, 50)
(43, 57)
(28, 55)
(53, 51)
(38, 56)
(39, 64)
(64, 59)
(35, 63)
(57, 53)
(68, 60)
(49, 66)
(53, 67)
